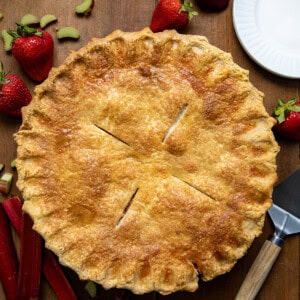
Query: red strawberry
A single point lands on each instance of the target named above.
(288, 117)
(14, 94)
(171, 14)
(33, 49)
(212, 4)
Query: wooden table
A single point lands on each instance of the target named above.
(132, 15)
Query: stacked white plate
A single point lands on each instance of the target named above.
(269, 31)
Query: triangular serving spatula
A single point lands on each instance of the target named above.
(285, 214)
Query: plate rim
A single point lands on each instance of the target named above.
(244, 43)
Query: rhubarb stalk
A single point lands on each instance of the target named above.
(30, 261)
(51, 268)
(8, 259)
(5, 183)
(78, 285)
(13, 209)
(56, 277)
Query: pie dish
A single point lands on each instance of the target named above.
(147, 160)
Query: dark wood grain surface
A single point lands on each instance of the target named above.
(132, 15)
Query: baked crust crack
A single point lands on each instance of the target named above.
(196, 188)
(127, 207)
(178, 118)
(114, 136)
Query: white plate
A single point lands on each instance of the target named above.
(269, 31)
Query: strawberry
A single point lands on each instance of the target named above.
(14, 94)
(171, 14)
(212, 4)
(33, 49)
(288, 119)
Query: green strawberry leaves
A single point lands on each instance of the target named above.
(3, 78)
(284, 108)
(188, 8)
(24, 30)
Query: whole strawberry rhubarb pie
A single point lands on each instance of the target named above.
(147, 161)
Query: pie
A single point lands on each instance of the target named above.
(147, 161)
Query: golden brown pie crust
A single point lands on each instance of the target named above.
(146, 160)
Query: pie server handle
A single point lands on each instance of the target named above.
(258, 271)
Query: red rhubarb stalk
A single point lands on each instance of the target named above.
(51, 268)
(13, 209)
(30, 261)
(56, 277)
(78, 285)
(8, 259)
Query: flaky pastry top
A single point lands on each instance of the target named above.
(147, 160)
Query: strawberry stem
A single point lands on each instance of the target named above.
(188, 8)
(284, 108)
(24, 30)
(3, 78)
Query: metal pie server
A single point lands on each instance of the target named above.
(285, 214)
